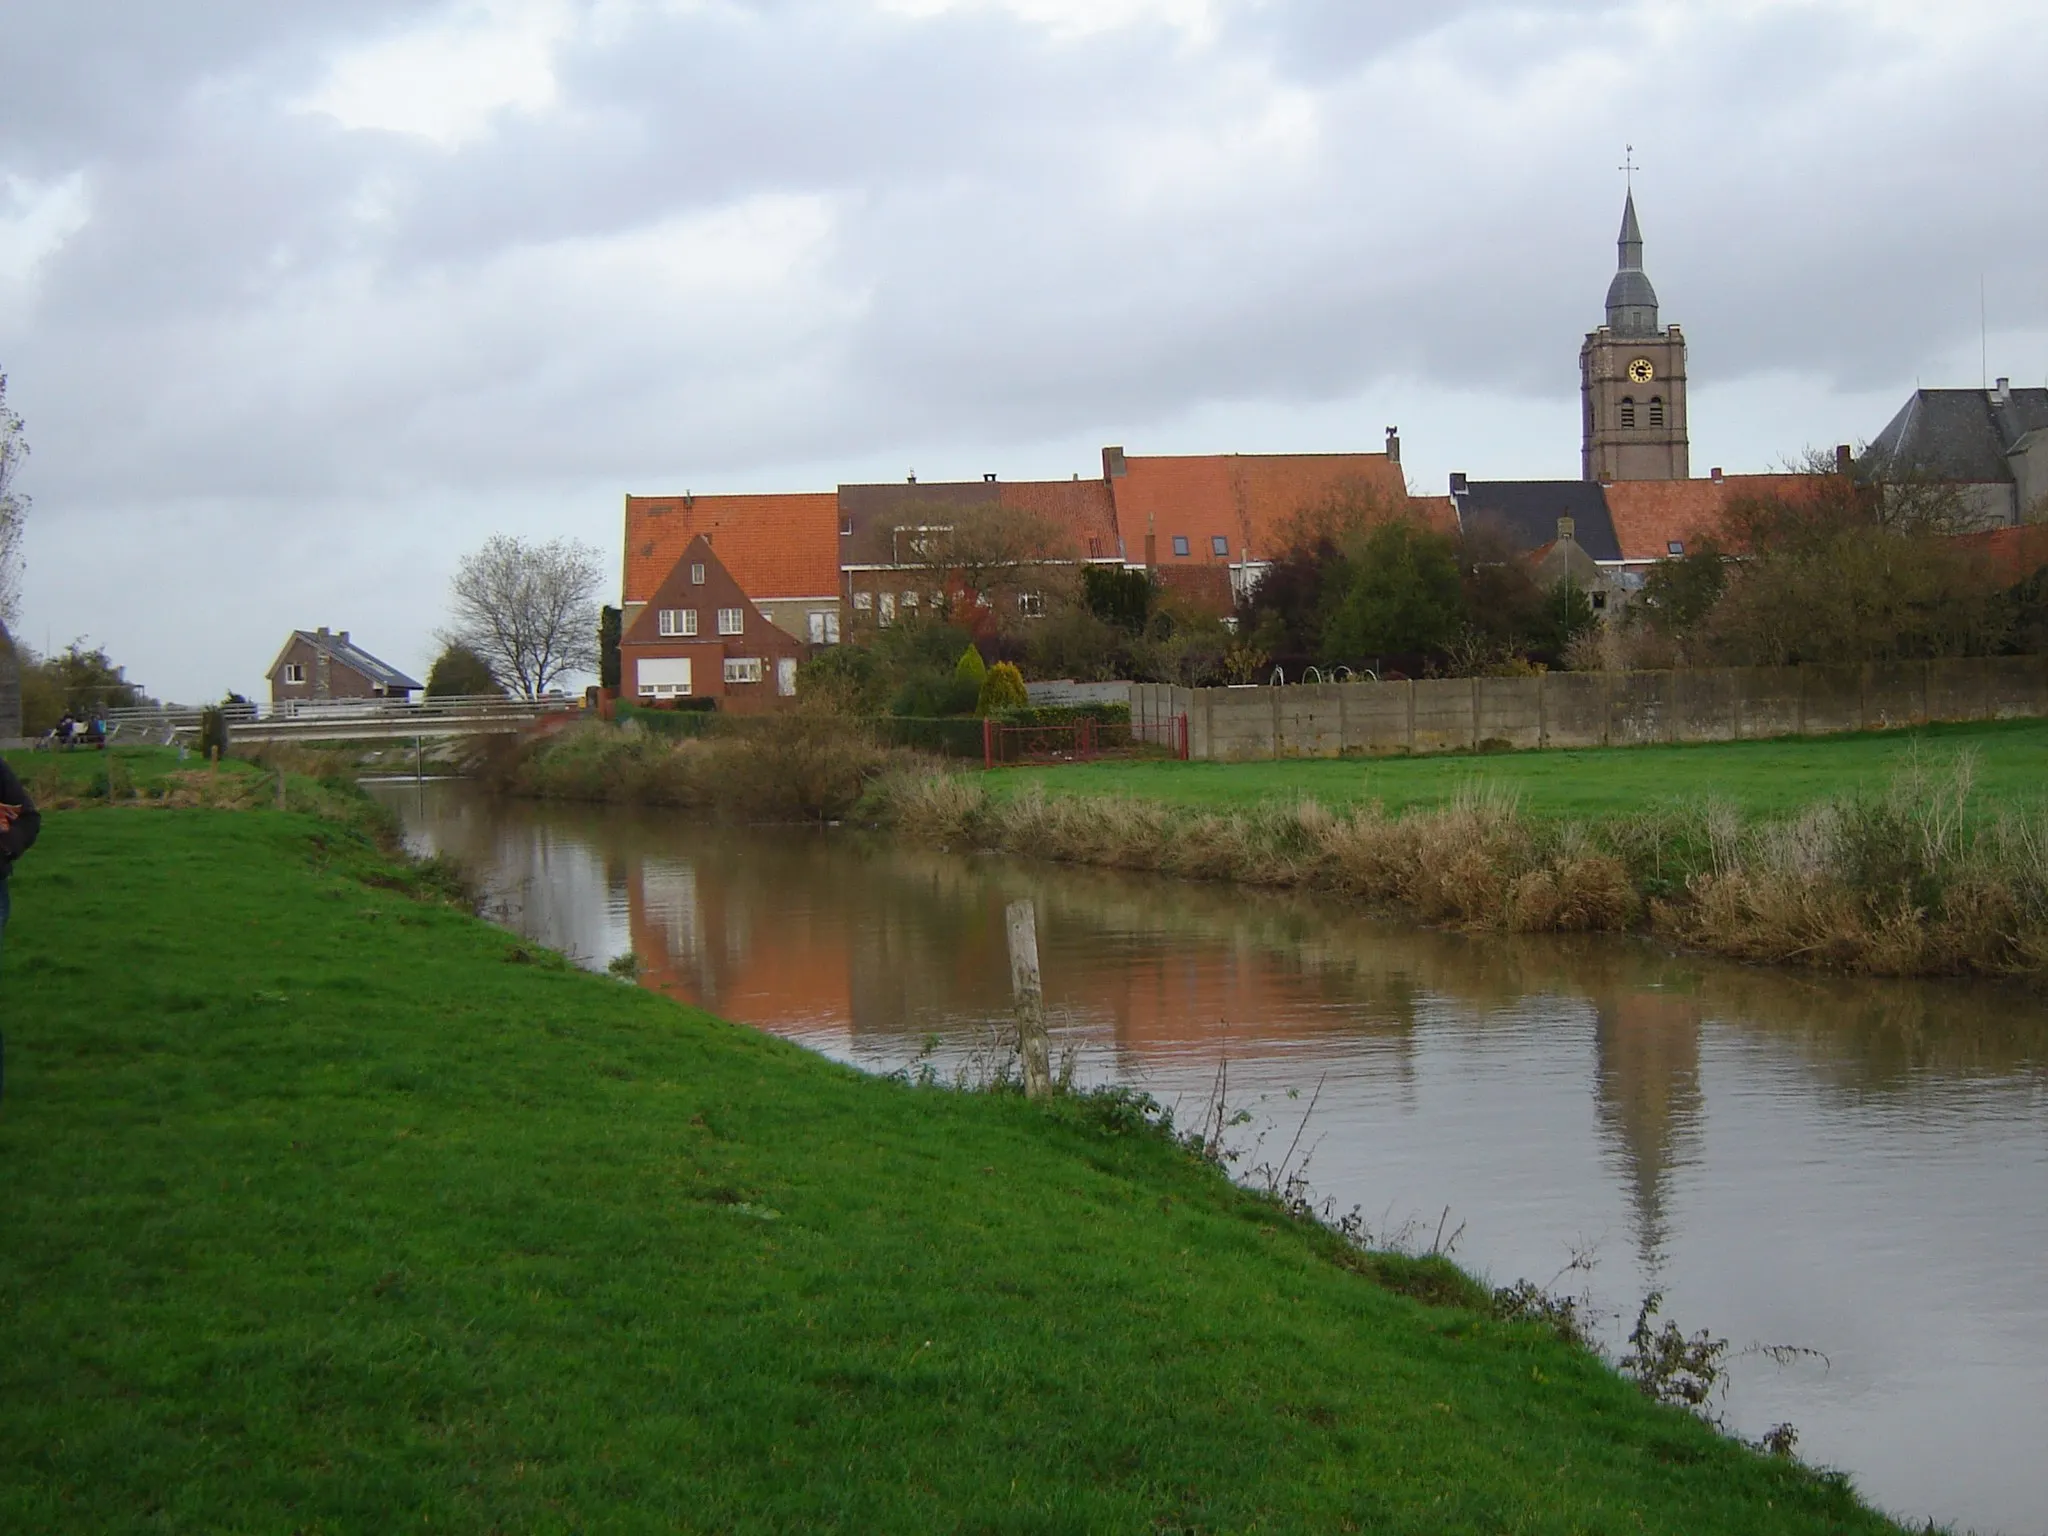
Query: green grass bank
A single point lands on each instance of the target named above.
(1759, 778)
(330, 1208)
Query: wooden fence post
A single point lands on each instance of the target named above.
(1032, 1044)
(280, 789)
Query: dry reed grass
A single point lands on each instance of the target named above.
(1915, 881)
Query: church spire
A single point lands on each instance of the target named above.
(1631, 301)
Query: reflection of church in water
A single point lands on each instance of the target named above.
(1647, 1047)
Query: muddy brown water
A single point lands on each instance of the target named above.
(1858, 1168)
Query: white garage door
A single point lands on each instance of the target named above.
(662, 677)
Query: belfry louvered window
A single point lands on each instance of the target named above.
(1656, 410)
(1628, 410)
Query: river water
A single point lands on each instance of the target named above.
(1856, 1168)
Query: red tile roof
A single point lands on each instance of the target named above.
(1083, 510)
(1244, 499)
(774, 545)
(1651, 515)
(2014, 553)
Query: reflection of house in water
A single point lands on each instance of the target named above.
(700, 938)
(1648, 1096)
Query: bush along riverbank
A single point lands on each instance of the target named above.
(339, 1209)
(1914, 880)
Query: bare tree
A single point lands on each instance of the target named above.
(13, 506)
(988, 557)
(528, 609)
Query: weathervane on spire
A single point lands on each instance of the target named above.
(1628, 166)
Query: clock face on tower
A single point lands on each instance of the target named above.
(1641, 371)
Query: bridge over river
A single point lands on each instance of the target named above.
(324, 720)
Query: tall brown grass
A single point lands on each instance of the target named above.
(784, 768)
(1917, 880)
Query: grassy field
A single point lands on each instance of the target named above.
(329, 1209)
(1760, 777)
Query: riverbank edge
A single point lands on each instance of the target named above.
(1439, 1307)
(1907, 882)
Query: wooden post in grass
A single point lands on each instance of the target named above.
(1032, 1044)
(280, 789)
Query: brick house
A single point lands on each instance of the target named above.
(326, 664)
(783, 549)
(699, 635)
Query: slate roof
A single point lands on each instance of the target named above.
(1961, 435)
(380, 673)
(1528, 510)
(775, 546)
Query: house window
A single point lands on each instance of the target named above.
(863, 602)
(677, 621)
(1180, 544)
(1676, 546)
(662, 677)
(824, 626)
(743, 669)
(909, 603)
(1628, 410)
(1220, 545)
(1656, 410)
(1599, 601)
(697, 574)
(887, 612)
(1031, 604)
(732, 621)
(295, 672)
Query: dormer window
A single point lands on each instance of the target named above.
(1628, 410)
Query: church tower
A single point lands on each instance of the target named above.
(1632, 379)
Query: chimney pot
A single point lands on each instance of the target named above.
(344, 637)
(1459, 483)
(2002, 390)
(1715, 474)
(913, 477)
(988, 479)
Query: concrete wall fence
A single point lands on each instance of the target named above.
(1585, 709)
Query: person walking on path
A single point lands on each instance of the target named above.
(20, 821)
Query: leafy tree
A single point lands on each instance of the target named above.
(458, 672)
(610, 624)
(1002, 689)
(1679, 593)
(1118, 596)
(77, 681)
(1076, 642)
(1403, 597)
(528, 609)
(840, 680)
(1503, 603)
(1567, 614)
(982, 558)
(13, 506)
(1285, 612)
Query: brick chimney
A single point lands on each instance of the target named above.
(2001, 392)
(1393, 445)
(1844, 458)
(1714, 474)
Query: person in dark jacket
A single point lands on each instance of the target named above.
(19, 824)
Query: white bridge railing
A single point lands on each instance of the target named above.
(355, 717)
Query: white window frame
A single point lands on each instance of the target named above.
(742, 669)
(732, 621)
(295, 673)
(886, 611)
(824, 626)
(1031, 604)
(672, 687)
(863, 602)
(675, 623)
(697, 573)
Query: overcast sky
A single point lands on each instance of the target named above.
(302, 301)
